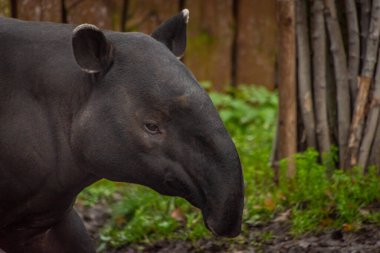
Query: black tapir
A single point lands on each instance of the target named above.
(80, 104)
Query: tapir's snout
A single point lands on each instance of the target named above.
(226, 220)
(224, 192)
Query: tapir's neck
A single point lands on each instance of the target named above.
(71, 174)
(36, 154)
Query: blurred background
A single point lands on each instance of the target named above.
(230, 42)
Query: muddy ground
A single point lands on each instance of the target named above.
(366, 239)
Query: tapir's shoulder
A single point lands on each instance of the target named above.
(9, 21)
(16, 27)
(39, 41)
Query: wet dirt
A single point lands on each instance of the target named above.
(277, 239)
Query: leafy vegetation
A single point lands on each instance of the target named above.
(319, 198)
(315, 199)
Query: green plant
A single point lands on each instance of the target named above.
(102, 189)
(143, 215)
(319, 196)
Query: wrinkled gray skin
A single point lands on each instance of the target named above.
(78, 106)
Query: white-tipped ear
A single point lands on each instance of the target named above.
(92, 51)
(186, 15)
(172, 33)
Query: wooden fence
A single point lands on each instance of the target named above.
(230, 41)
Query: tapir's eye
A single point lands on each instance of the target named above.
(152, 128)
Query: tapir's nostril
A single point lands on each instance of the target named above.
(226, 226)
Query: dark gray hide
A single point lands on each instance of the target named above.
(78, 105)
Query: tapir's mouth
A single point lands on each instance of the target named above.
(223, 220)
(222, 213)
(187, 189)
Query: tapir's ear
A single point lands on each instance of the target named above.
(173, 33)
(92, 51)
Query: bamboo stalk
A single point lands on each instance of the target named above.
(318, 44)
(340, 70)
(364, 85)
(304, 74)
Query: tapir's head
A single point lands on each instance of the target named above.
(147, 121)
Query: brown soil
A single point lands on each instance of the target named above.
(366, 239)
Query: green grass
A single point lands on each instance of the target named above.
(317, 198)
(320, 199)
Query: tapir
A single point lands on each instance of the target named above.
(78, 104)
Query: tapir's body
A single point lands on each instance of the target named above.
(77, 106)
(39, 177)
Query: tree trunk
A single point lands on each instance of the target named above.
(340, 71)
(353, 48)
(273, 160)
(304, 74)
(364, 85)
(374, 157)
(14, 13)
(344, 83)
(287, 86)
(365, 11)
(372, 122)
(318, 35)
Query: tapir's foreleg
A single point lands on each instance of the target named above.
(69, 235)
